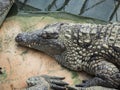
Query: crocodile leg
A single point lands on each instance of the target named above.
(106, 73)
(45, 82)
(55, 82)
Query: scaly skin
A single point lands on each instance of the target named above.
(92, 48)
(5, 6)
(45, 82)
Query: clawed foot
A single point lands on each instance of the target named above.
(56, 83)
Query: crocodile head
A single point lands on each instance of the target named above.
(45, 40)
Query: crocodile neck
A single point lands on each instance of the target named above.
(86, 40)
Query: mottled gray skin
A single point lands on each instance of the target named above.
(92, 48)
(37, 83)
(5, 6)
(45, 82)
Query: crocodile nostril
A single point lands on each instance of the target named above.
(18, 38)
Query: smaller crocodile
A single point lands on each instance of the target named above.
(92, 48)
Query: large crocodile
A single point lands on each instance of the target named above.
(92, 48)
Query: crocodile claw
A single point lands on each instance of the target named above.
(53, 82)
(57, 87)
(56, 83)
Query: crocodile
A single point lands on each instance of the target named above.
(92, 48)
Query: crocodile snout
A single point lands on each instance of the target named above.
(18, 38)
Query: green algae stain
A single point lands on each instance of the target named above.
(75, 77)
(3, 75)
(24, 52)
(74, 74)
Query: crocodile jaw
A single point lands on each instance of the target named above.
(38, 40)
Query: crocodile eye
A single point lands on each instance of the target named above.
(50, 35)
